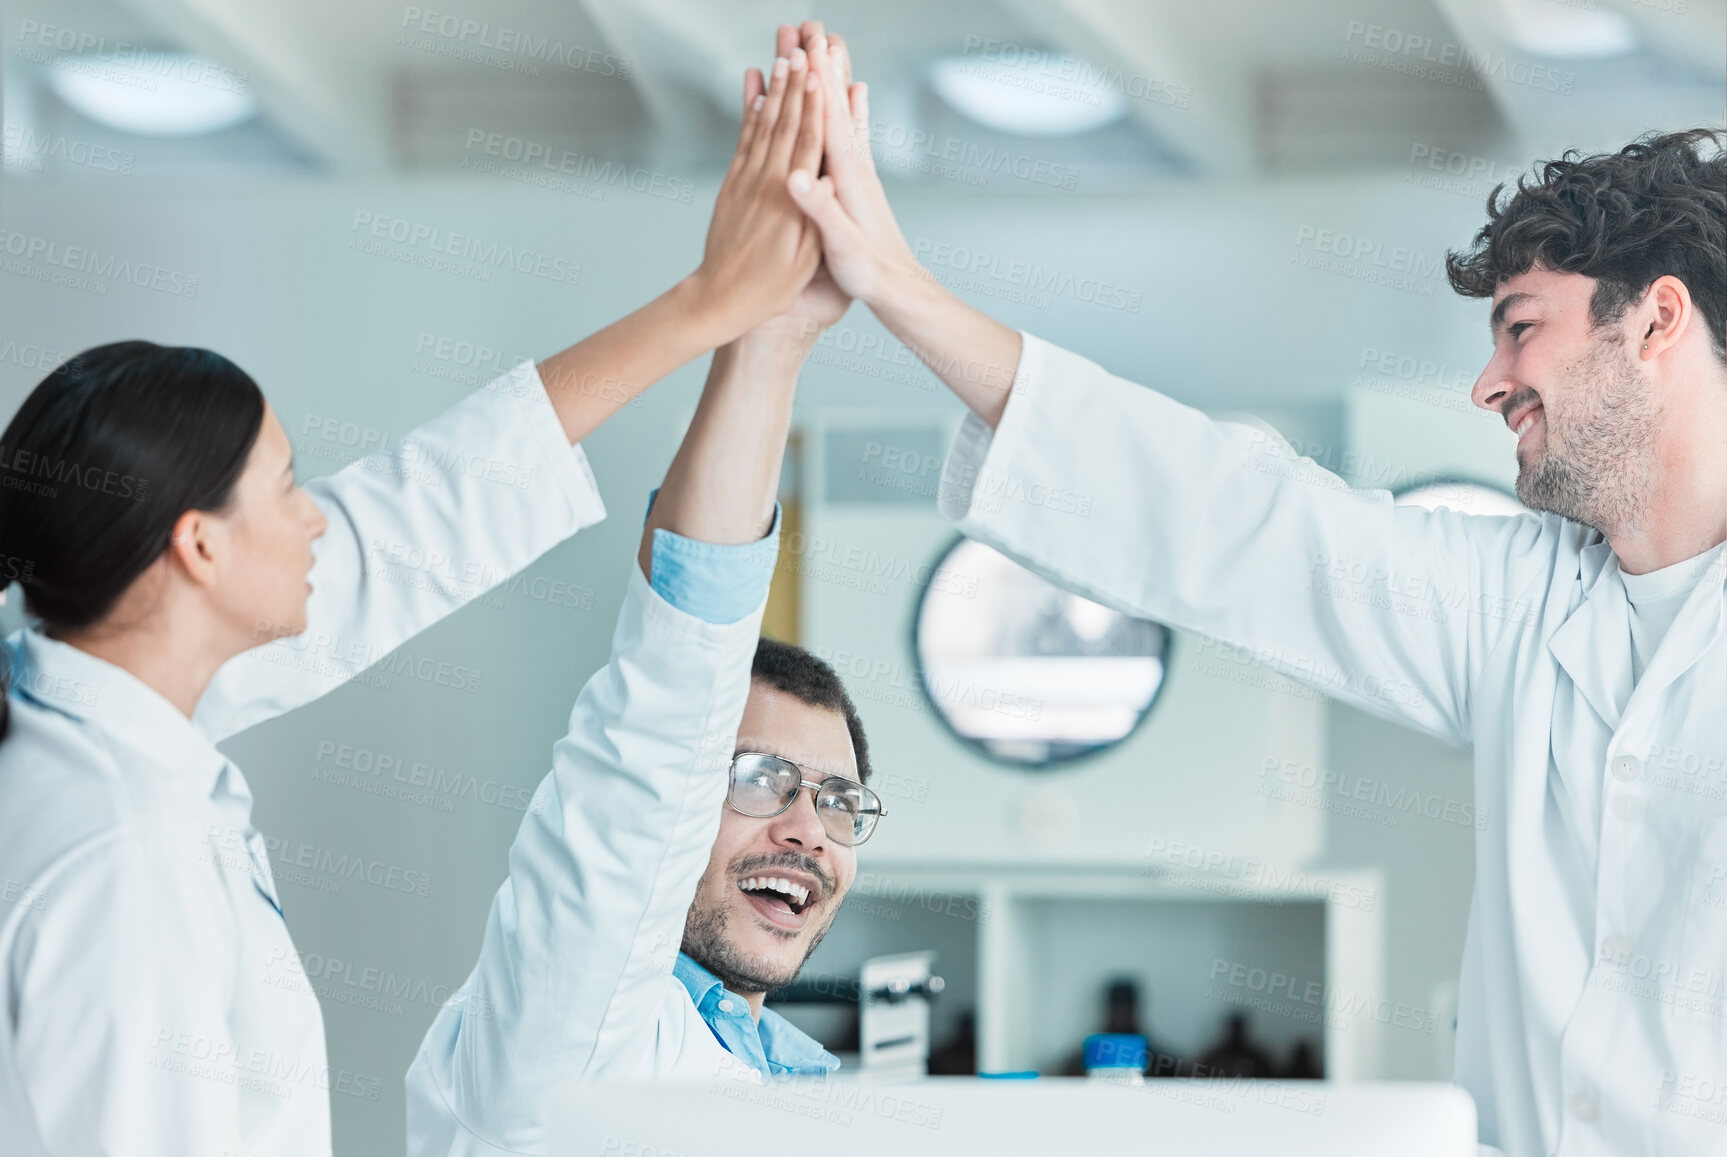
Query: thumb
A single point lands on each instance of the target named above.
(816, 198)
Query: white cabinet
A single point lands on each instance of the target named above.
(1031, 952)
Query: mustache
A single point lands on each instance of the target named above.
(796, 861)
(1517, 399)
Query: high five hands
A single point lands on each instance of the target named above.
(867, 256)
(802, 226)
(863, 248)
(763, 256)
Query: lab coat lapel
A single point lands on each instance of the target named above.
(1693, 632)
(1593, 646)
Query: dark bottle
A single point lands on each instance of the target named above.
(1121, 1017)
(1236, 1055)
(957, 1056)
(1303, 1063)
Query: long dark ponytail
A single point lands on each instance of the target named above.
(102, 459)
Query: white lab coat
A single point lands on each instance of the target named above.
(1593, 1003)
(574, 979)
(153, 1002)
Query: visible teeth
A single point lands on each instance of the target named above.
(797, 892)
(1528, 421)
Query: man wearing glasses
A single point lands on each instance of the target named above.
(698, 830)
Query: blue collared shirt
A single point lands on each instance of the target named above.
(717, 583)
(773, 1046)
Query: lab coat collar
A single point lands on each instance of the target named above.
(77, 684)
(1593, 646)
(1694, 631)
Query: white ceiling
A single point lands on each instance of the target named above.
(1267, 85)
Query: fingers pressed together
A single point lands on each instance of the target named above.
(784, 118)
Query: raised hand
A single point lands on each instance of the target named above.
(865, 252)
(864, 249)
(761, 249)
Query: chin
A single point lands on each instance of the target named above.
(780, 950)
(287, 624)
(774, 953)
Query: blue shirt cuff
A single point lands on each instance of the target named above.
(714, 582)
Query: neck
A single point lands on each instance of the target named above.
(1684, 512)
(177, 665)
(754, 1000)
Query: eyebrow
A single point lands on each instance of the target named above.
(1506, 304)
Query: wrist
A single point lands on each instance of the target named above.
(704, 312)
(776, 348)
(898, 283)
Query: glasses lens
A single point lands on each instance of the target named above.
(762, 785)
(848, 810)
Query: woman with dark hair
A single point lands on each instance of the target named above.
(168, 560)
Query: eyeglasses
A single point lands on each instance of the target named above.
(765, 785)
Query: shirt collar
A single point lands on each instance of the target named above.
(74, 683)
(783, 1046)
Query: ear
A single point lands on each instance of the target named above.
(1666, 315)
(194, 546)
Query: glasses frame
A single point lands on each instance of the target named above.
(814, 785)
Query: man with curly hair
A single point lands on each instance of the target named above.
(1584, 659)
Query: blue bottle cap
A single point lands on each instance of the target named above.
(1115, 1050)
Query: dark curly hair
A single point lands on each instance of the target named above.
(793, 670)
(1656, 207)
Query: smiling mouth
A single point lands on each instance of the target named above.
(777, 896)
(1525, 422)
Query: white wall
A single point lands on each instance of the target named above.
(1229, 318)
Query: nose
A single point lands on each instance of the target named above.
(316, 523)
(799, 826)
(1495, 383)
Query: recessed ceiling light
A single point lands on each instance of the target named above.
(154, 94)
(1552, 28)
(1028, 96)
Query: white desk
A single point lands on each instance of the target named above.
(946, 1117)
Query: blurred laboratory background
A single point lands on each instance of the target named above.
(1095, 823)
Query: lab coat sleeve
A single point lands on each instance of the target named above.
(1131, 499)
(415, 532)
(121, 1028)
(578, 950)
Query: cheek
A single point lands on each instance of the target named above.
(1529, 368)
(732, 840)
(845, 875)
(288, 539)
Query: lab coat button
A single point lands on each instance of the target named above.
(1583, 1107)
(1628, 808)
(1627, 768)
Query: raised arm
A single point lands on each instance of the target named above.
(1121, 494)
(576, 964)
(759, 256)
(421, 528)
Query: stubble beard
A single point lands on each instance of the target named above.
(707, 943)
(1597, 460)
